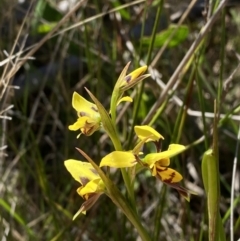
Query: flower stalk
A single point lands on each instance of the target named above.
(93, 180)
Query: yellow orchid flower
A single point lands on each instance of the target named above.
(124, 83)
(147, 132)
(158, 163)
(88, 116)
(128, 81)
(92, 185)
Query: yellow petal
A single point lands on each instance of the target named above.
(136, 73)
(126, 82)
(173, 150)
(82, 172)
(166, 174)
(82, 106)
(78, 124)
(147, 132)
(126, 99)
(119, 159)
(165, 162)
(94, 186)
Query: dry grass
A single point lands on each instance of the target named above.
(88, 46)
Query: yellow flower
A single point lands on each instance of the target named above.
(158, 163)
(124, 83)
(92, 185)
(121, 159)
(88, 116)
(128, 81)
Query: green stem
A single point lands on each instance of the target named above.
(118, 147)
(122, 203)
(119, 200)
(159, 213)
(137, 224)
(126, 177)
(113, 105)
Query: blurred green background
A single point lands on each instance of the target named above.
(37, 196)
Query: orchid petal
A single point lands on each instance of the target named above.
(93, 186)
(119, 159)
(125, 99)
(79, 123)
(147, 131)
(167, 175)
(173, 150)
(134, 75)
(81, 105)
(82, 172)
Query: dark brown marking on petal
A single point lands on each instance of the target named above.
(171, 176)
(167, 180)
(94, 108)
(84, 180)
(128, 78)
(94, 171)
(82, 113)
(161, 169)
